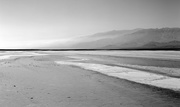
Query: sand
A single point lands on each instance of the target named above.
(38, 81)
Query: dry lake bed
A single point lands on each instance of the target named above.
(89, 78)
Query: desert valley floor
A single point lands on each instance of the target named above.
(89, 79)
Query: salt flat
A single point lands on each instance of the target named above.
(143, 54)
(131, 74)
(89, 79)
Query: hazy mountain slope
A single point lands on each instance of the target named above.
(100, 40)
(137, 38)
(165, 45)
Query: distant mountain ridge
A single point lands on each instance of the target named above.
(127, 39)
(163, 38)
(164, 45)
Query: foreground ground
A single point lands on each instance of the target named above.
(34, 79)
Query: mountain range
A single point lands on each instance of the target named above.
(164, 38)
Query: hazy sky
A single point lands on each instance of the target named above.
(32, 23)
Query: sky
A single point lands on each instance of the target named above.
(39, 23)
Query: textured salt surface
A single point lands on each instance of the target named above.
(143, 54)
(173, 72)
(130, 74)
(4, 57)
(165, 70)
(19, 55)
